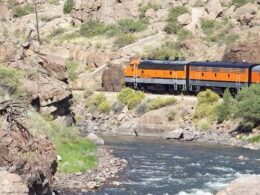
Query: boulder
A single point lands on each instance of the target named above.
(176, 134)
(11, 183)
(184, 19)
(92, 185)
(197, 13)
(246, 19)
(248, 8)
(113, 78)
(244, 51)
(214, 9)
(127, 128)
(55, 65)
(150, 13)
(248, 185)
(162, 14)
(95, 139)
(188, 136)
(5, 14)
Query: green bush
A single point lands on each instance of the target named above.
(173, 26)
(117, 107)
(206, 109)
(249, 104)
(57, 33)
(72, 67)
(132, 26)
(130, 97)
(241, 2)
(104, 107)
(98, 102)
(10, 79)
(168, 50)
(124, 40)
(255, 139)
(68, 6)
(203, 124)
(23, 10)
(171, 115)
(218, 31)
(78, 154)
(183, 34)
(93, 28)
(143, 9)
(160, 102)
(227, 108)
(208, 26)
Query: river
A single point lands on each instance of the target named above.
(165, 167)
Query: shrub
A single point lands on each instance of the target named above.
(183, 34)
(143, 9)
(10, 79)
(68, 6)
(130, 97)
(173, 26)
(208, 26)
(160, 102)
(141, 108)
(203, 124)
(72, 67)
(206, 109)
(171, 115)
(23, 10)
(240, 2)
(227, 108)
(249, 104)
(255, 139)
(117, 107)
(104, 107)
(218, 31)
(93, 28)
(48, 18)
(98, 102)
(168, 50)
(69, 36)
(124, 39)
(131, 26)
(57, 33)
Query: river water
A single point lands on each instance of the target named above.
(158, 167)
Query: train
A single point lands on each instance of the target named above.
(190, 76)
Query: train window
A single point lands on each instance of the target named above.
(215, 74)
(228, 75)
(202, 74)
(170, 72)
(142, 71)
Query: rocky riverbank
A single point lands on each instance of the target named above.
(156, 123)
(78, 183)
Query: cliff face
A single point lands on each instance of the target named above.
(33, 159)
(45, 80)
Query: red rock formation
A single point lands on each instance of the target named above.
(34, 159)
(113, 78)
(248, 51)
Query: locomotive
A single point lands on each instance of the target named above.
(190, 76)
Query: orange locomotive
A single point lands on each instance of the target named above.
(190, 76)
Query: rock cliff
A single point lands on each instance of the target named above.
(32, 158)
(46, 79)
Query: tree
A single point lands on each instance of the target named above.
(249, 104)
(227, 108)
